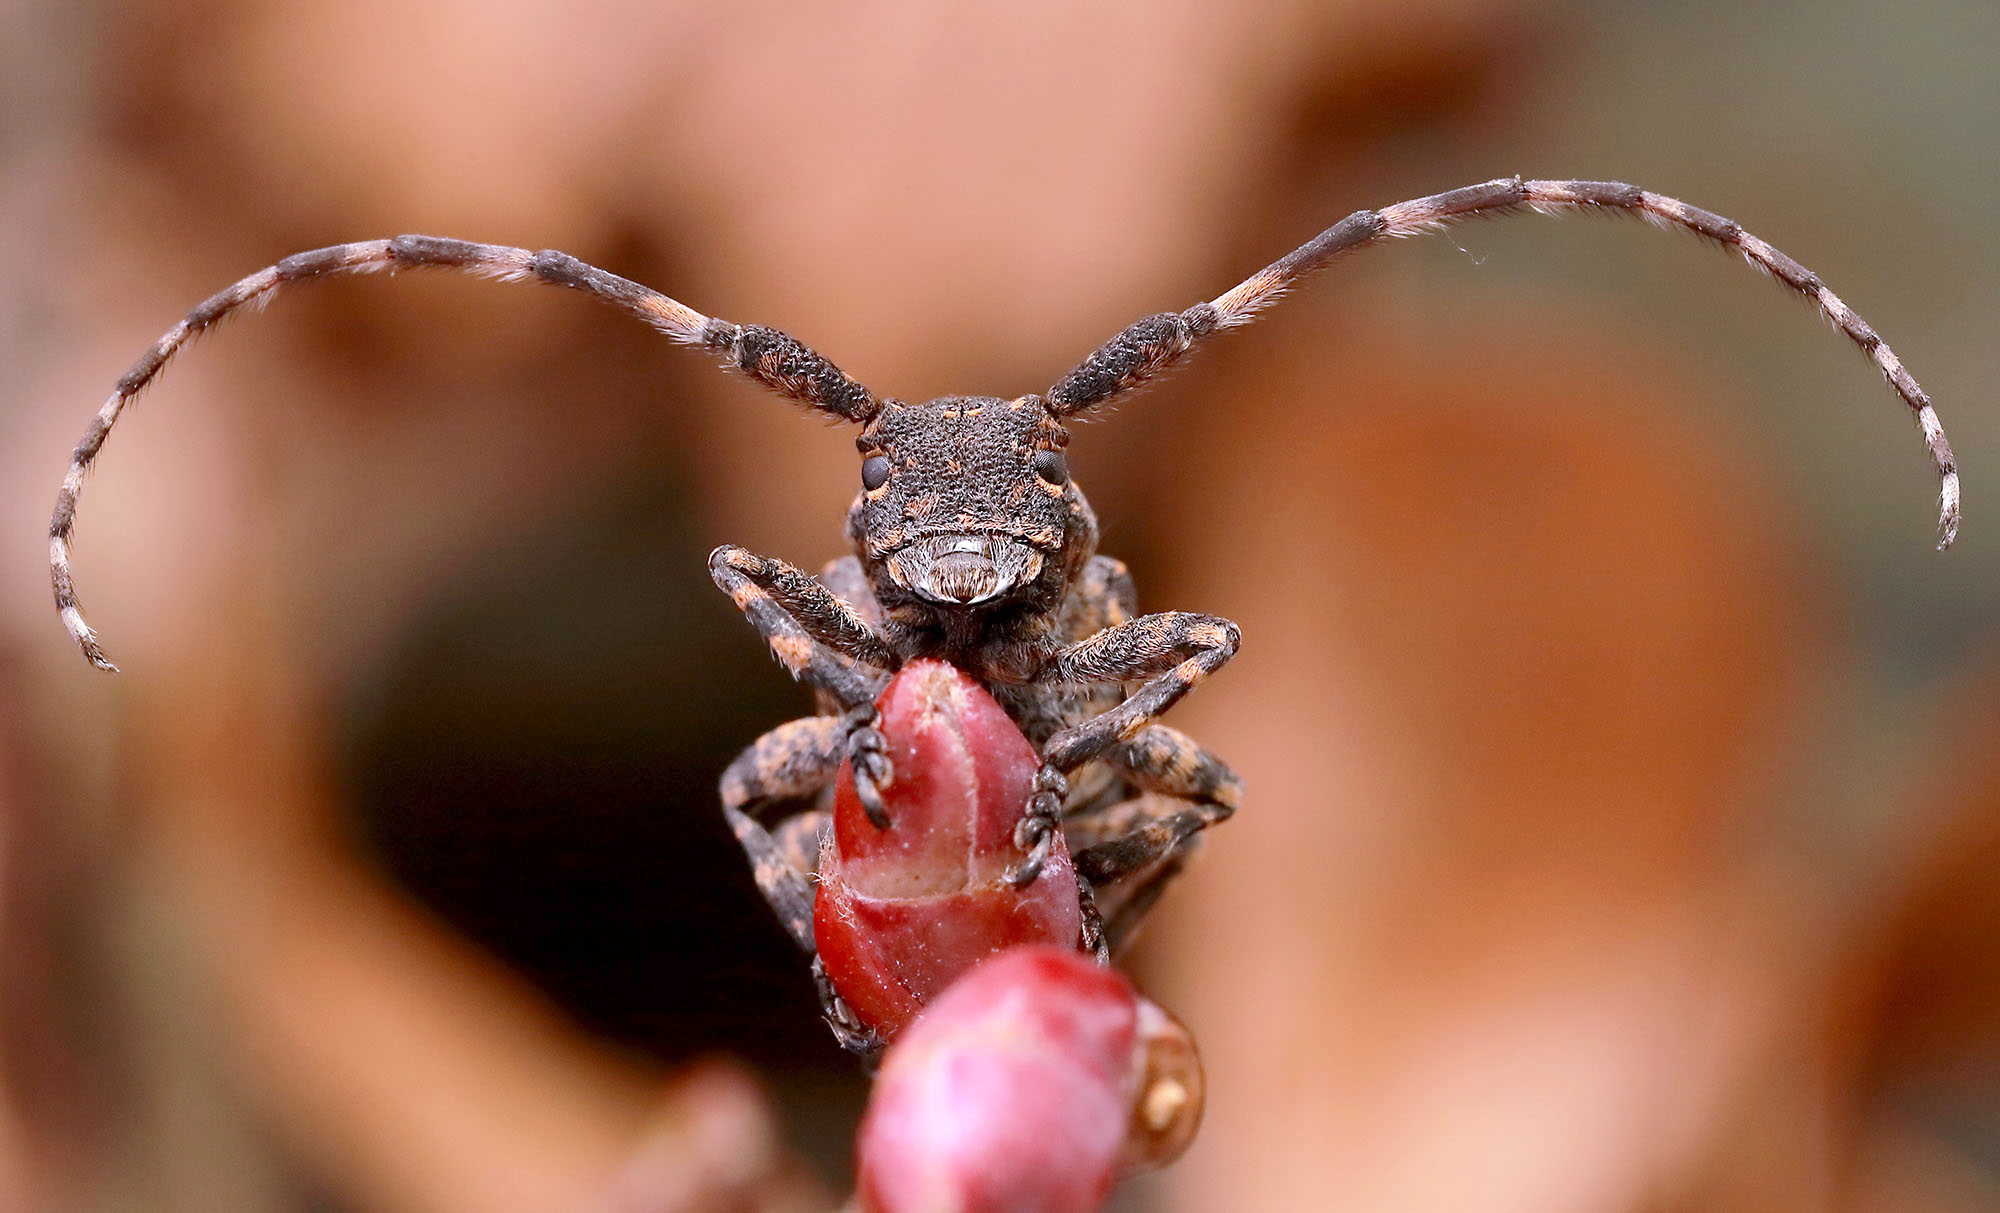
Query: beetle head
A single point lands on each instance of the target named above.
(966, 502)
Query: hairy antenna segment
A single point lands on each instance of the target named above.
(1150, 346)
(780, 362)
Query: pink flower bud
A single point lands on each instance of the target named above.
(1027, 1087)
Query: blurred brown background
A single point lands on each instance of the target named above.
(1625, 820)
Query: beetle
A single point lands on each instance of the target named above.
(973, 545)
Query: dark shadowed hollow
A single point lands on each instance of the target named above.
(1623, 816)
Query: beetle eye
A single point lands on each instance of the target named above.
(1052, 467)
(874, 472)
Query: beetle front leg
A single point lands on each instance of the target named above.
(821, 639)
(826, 644)
(1167, 653)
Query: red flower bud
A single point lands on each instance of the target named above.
(902, 912)
(1027, 1087)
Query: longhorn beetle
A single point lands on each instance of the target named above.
(973, 545)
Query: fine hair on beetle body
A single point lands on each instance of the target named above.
(972, 544)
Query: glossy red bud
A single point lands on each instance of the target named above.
(900, 913)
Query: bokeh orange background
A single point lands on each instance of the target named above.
(1624, 822)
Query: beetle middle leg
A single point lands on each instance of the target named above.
(785, 771)
(1168, 654)
(1145, 840)
(1128, 897)
(790, 764)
